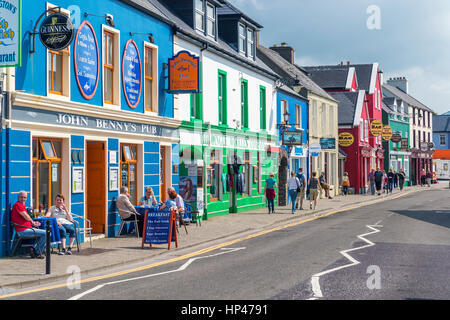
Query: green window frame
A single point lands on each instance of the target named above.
(196, 101)
(262, 107)
(222, 96)
(244, 104)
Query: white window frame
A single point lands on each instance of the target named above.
(117, 68)
(66, 65)
(298, 116)
(202, 13)
(242, 50)
(155, 80)
(211, 19)
(440, 139)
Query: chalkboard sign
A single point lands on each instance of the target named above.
(159, 227)
(86, 56)
(131, 74)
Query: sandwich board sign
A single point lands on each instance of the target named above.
(159, 227)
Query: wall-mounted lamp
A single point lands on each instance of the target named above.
(109, 18)
(150, 36)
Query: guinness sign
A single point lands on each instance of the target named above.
(56, 32)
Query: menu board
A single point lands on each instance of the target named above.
(159, 227)
(86, 56)
(131, 74)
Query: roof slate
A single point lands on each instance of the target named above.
(286, 69)
(328, 78)
(405, 97)
(441, 123)
(347, 106)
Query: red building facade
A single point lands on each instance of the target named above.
(358, 88)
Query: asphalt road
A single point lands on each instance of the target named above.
(393, 250)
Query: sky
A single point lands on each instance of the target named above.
(408, 38)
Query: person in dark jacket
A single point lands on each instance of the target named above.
(379, 176)
(390, 181)
(401, 179)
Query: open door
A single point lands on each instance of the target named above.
(96, 186)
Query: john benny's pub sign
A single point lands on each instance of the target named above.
(10, 33)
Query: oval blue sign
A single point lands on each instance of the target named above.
(86, 58)
(131, 73)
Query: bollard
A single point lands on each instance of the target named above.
(47, 247)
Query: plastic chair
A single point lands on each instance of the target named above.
(135, 221)
(86, 230)
(193, 215)
(19, 239)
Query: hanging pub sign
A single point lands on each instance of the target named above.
(396, 138)
(405, 143)
(86, 58)
(376, 128)
(131, 73)
(387, 133)
(56, 31)
(346, 139)
(10, 33)
(292, 138)
(184, 75)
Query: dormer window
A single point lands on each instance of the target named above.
(205, 18)
(246, 41)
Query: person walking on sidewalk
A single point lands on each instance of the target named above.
(271, 184)
(390, 181)
(395, 179)
(293, 186)
(314, 188)
(378, 177)
(429, 177)
(422, 177)
(372, 181)
(301, 194)
(401, 179)
(345, 184)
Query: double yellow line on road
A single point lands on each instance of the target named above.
(196, 253)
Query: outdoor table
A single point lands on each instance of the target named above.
(55, 238)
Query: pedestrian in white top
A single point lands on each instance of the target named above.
(293, 186)
(65, 225)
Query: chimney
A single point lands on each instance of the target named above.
(400, 83)
(287, 52)
(348, 63)
(342, 63)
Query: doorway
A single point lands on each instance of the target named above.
(96, 186)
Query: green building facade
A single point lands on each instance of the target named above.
(395, 115)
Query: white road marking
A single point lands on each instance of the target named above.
(182, 268)
(315, 279)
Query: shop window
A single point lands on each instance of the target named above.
(128, 163)
(262, 108)
(151, 83)
(58, 65)
(247, 172)
(111, 66)
(214, 175)
(298, 116)
(46, 172)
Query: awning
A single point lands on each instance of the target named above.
(442, 154)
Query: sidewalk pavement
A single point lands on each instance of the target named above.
(21, 272)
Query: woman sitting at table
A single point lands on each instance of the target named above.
(171, 202)
(149, 198)
(65, 225)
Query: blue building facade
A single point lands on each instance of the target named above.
(297, 107)
(441, 131)
(88, 119)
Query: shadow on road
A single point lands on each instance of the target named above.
(437, 217)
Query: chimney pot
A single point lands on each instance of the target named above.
(348, 63)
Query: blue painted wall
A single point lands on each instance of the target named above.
(32, 76)
(292, 101)
(436, 140)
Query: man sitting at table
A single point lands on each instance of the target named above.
(127, 211)
(65, 225)
(149, 199)
(25, 226)
(180, 204)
